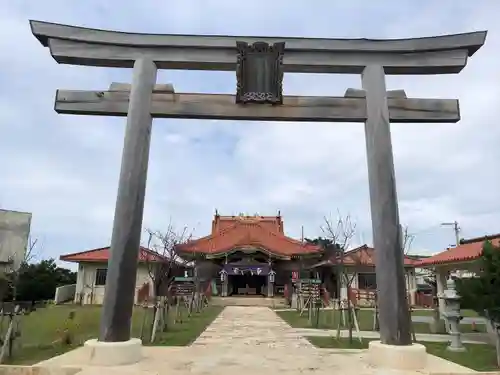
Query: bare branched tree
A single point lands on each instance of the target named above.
(340, 232)
(162, 262)
(30, 252)
(10, 279)
(14, 265)
(407, 239)
(164, 257)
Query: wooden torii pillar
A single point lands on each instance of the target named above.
(142, 101)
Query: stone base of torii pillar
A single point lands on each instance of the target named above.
(397, 357)
(113, 353)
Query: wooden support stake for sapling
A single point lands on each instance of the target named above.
(18, 342)
(317, 314)
(7, 341)
(164, 317)
(144, 318)
(161, 322)
(338, 327)
(204, 301)
(341, 319)
(1, 322)
(413, 335)
(375, 317)
(191, 303)
(334, 311)
(156, 321)
(356, 323)
(198, 301)
(178, 311)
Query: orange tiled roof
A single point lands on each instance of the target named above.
(365, 255)
(232, 232)
(102, 255)
(272, 223)
(467, 251)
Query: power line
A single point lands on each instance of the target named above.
(435, 226)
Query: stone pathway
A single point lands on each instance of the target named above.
(251, 328)
(465, 320)
(248, 341)
(467, 338)
(418, 318)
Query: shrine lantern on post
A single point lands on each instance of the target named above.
(272, 276)
(223, 275)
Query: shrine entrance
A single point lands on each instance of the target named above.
(260, 64)
(247, 285)
(247, 277)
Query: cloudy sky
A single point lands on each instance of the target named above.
(64, 169)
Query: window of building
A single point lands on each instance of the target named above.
(367, 281)
(100, 276)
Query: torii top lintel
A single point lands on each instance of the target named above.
(83, 46)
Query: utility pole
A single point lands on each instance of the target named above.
(456, 228)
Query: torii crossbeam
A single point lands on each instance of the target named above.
(165, 103)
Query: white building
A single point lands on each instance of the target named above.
(92, 272)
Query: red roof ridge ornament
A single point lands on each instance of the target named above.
(248, 219)
(260, 233)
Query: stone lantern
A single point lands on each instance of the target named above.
(452, 315)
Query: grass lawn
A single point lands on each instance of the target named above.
(365, 320)
(41, 330)
(183, 334)
(479, 357)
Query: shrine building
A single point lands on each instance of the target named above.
(242, 256)
(250, 255)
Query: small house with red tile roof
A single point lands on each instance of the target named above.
(360, 271)
(249, 255)
(92, 272)
(463, 257)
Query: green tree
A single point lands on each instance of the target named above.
(38, 281)
(482, 292)
(330, 247)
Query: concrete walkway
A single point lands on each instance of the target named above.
(247, 341)
(467, 338)
(417, 318)
(465, 320)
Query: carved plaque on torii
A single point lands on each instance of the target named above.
(259, 73)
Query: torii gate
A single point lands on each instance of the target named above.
(258, 97)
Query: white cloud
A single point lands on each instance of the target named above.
(65, 168)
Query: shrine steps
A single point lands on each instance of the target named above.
(276, 302)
